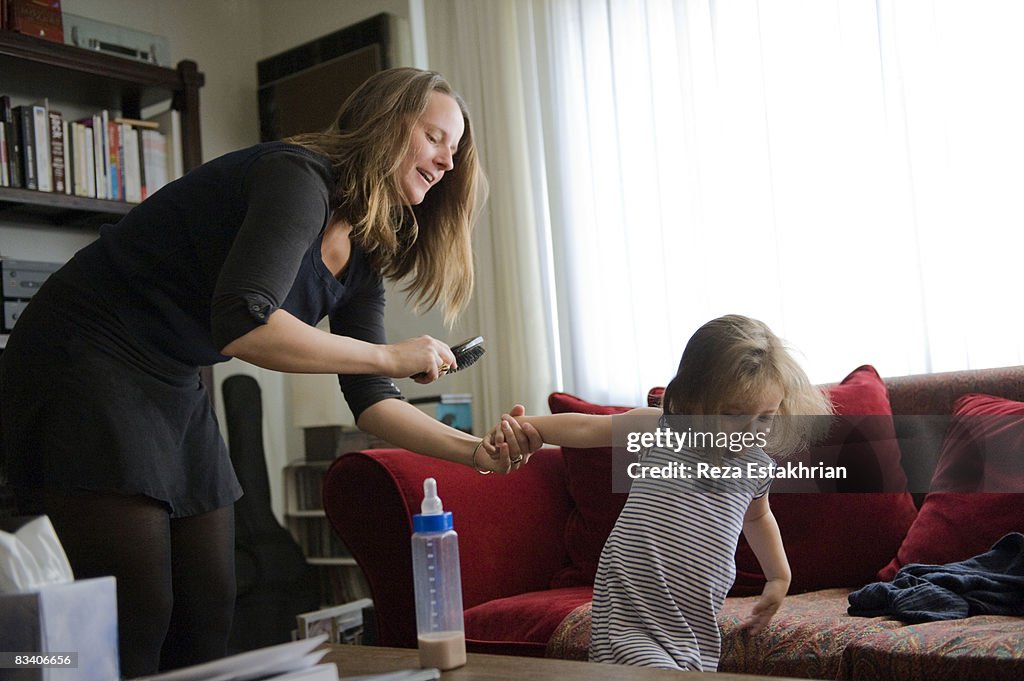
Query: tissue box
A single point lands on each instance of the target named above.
(78, 617)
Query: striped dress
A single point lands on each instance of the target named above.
(669, 563)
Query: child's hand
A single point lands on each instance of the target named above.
(511, 442)
(766, 607)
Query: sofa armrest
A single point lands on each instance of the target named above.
(511, 528)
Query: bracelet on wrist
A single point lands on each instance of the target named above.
(472, 458)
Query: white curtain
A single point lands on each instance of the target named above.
(849, 172)
(476, 46)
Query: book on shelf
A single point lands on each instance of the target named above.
(38, 18)
(84, 154)
(104, 190)
(56, 122)
(138, 123)
(81, 154)
(304, 485)
(5, 179)
(169, 123)
(72, 153)
(13, 142)
(342, 624)
(103, 155)
(41, 134)
(317, 539)
(89, 166)
(69, 161)
(130, 166)
(99, 156)
(154, 159)
(340, 584)
(115, 181)
(25, 130)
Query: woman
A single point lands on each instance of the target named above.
(106, 425)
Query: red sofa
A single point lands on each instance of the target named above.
(530, 542)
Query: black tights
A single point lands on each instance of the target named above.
(175, 576)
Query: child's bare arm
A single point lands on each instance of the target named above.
(572, 430)
(762, 533)
(589, 430)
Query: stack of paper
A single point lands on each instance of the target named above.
(294, 661)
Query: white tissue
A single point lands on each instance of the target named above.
(32, 557)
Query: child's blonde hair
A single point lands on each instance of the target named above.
(734, 358)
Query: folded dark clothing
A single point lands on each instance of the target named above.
(989, 584)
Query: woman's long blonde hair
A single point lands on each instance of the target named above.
(733, 358)
(427, 245)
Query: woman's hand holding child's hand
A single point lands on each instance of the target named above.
(511, 443)
(767, 605)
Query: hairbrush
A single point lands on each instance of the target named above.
(466, 354)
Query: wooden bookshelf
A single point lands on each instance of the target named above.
(36, 69)
(341, 579)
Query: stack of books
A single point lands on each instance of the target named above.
(103, 156)
(37, 18)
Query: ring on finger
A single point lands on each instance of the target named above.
(516, 460)
(443, 369)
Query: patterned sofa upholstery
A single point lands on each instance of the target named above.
(529, 543)
(812, 637)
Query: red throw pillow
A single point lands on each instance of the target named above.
(589, 475)
(862, 441)
(986, 434)
(841, 538)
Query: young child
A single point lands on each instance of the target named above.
(669, 561)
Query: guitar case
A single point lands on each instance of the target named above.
(275, 583)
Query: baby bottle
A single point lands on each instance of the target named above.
(438, 584)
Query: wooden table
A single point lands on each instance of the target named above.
(355, 660)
